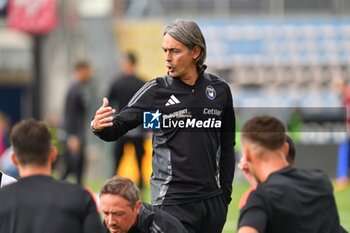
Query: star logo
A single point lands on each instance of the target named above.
(156, 115)
(151, 120)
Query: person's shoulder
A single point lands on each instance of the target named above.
(313, 171)
(70, 186)
(214, 79)
(153, 219)
(78, 193)
(277, 180)
(116, 80)
(306, 173)
(74, 85)
(147, 209)
(8, 189)
(298, 178)
(316, 175)
(162, 81)
(153, 84)
(145, 217)
(8, 192)
(135, 81)
(74, 88)
(150, 211)
(280, 176)
(70, 190)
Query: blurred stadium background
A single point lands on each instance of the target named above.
(279, 56)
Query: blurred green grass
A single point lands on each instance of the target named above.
(239, 187)
(343, 204)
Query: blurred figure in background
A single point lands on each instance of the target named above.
(342, 180)
(37, 202)
(4, 132)
(121, 91)
(6, 164)
(124, 212)
(75, 122)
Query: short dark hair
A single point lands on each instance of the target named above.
(123, 187)
(82, 64)
(292, 151)
(268, 132)
(131, 57)
(31, 142)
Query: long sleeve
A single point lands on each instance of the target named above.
(132, 115)
(227, 161)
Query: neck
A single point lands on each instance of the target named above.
(129, 72)
(191, 77)
(33, 170)
(270, 165)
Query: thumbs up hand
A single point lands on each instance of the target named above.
(103, 117)
(105, 102)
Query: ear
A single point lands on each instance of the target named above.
(137, 206)
(247, 153)
(14, 159)
(286, 149)
(196, 52)
(53, 155)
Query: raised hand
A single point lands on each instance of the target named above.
(243, 166)
(103, 117)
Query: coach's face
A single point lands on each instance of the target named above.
(179, 59)
(118, 213)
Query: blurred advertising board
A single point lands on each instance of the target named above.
(34, 17)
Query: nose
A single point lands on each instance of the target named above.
(111, 219)
(167, 56)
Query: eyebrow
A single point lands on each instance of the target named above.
(113, 212)
(170, 48)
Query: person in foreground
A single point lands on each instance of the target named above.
(287, 199)
(193, 166)
(250, 178)
(124, 212)
(38, 203)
